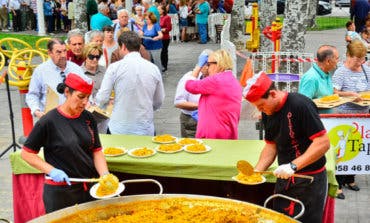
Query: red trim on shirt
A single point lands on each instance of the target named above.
(97, 149)
(29, 150)
(67, 115)
(321, 133)
(313, 172)
(105, 54)
(269, 142)
(282, 102)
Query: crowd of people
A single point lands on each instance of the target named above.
(59, 15)
(121, 64)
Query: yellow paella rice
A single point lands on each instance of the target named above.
(164, 138)
(169, 147)
(330, 98)
(365, 96)
(108, 184)
(254, 178)
(188, 141)
(196, 148)
(142, 152)
(113, 151)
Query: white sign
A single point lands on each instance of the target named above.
(350, 137)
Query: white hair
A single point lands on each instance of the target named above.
(74, 32)
(92, 34)
(102, 6)
(119, 12)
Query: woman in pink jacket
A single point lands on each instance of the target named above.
(221, 94)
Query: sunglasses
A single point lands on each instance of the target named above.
(209, 63)
(91, 57)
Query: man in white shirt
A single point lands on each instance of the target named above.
(187, 101)
(138, 90)
(50, 74)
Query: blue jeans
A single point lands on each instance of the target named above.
(202, 30)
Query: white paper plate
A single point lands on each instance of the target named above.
(198, 140)
(93, 189)
(248, 183)
(174, 151)
(124, 151)
(165, 142)
(208, 148)
(130, 152)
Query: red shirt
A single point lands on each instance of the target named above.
(74, 59)
(165, 23)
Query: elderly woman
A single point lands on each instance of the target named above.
(220, 101)
(349, 80)
(353, 77)
(152, 38)
(69, 137)
(92, 69)
(94, 36)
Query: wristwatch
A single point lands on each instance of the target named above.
(293, 166)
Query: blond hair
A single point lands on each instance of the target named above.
(223, 59)
(356, 49)
(90, 48)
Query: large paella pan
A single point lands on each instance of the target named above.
(165, 208)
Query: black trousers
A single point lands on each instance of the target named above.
(59, 197)
(312, 195)
(164, 53)
(344, 179)
(17, 21)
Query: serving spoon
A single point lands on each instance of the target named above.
(247, 169)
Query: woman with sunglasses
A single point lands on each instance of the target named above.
(92, 54)
(221, 95)
(93, 70)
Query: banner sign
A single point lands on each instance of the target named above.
(350, 137)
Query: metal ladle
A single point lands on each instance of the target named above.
(247, 169)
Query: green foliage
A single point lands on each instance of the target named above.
(327, 22)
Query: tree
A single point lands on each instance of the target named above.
(267, 15)
(80, 15)
(237, 25)
(294, 27)
(311, 14)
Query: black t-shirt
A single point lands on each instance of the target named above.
(293, 128)
(69, 142)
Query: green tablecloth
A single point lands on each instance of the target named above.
(218, 164)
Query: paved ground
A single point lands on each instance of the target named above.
(182, 59)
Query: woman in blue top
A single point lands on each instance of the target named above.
(152, 38)
(48, 13)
